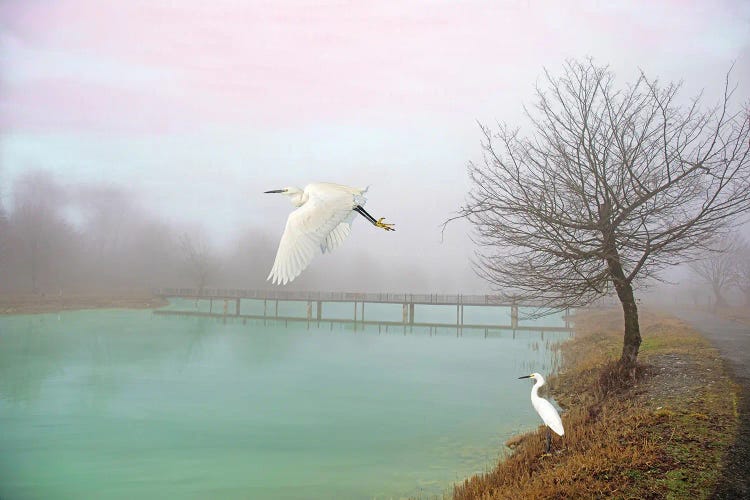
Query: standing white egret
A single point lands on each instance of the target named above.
(322, 220)
(545, 409)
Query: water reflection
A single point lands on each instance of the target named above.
(228, 406)
(28, 357)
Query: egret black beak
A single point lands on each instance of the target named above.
(525, 376)
(275, 191)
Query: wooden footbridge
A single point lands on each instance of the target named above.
(228, 302)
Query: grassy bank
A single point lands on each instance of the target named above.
(49, 303)
(664, 437)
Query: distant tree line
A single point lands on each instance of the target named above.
(58, 238)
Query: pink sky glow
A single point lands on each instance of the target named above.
(279, 63)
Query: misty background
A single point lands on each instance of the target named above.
(137, 138)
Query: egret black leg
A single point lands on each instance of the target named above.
(549, 440)
(377, 223)
(364, 214)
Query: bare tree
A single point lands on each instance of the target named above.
(42, 237)
(718, 268)
(198, 260)
(611, 186)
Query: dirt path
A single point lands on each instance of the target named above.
(732, 339)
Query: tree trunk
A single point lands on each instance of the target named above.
(720, 300)
(632, 339)
(34, 270)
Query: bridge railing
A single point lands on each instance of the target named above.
(227, 293)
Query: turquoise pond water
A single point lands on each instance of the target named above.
(130, 404)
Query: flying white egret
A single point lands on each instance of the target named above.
(322, 220)
(545, 409)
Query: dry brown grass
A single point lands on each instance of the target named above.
(662, 437)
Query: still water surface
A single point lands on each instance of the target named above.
(128, 404)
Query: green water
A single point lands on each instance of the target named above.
(129, 404)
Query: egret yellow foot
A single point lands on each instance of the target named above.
(387, 227)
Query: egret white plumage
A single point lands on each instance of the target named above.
(322, 221)
(545, 409)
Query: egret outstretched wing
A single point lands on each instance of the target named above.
(307, 229)
(337, 236)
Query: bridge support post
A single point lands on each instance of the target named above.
(320, 310)
(411, 313)
(460, 318)
(237, 308)
(514, 315)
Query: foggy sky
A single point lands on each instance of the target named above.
(198, 107)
